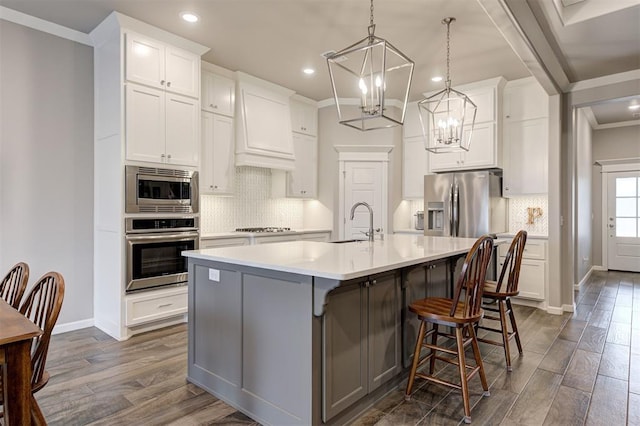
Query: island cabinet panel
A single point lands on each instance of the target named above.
(361, 340)
(276, 340)
(217, 329)
(427, 280)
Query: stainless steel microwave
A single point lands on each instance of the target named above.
(155, 190)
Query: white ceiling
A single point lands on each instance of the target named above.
(276, 39)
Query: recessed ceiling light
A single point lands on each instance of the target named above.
(436, 79)
(634, 107)
(189, 17)
(309, 71)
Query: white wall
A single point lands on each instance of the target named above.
(609, 144)
(331, 133)
(584, 208)
(46, 161)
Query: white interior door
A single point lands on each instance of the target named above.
(363, 182)
(623, 221)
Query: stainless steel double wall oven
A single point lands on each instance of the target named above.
(161, 206)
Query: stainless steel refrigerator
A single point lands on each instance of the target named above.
(465, 204)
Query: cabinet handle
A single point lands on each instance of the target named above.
(165, 305)
(162, 82)
(215, 186)
(506, 188)
(168, 156)
(210, 186)
(168, 84)
(162, 156)
(215, 106)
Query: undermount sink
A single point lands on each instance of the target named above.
(346, 241)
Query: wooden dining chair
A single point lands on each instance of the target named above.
(42, 306)
(461, 313)
(13, 284)
(500, 293)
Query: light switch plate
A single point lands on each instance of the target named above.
(214, 274)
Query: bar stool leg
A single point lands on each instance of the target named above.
(512, 317)
(505, 333)
(416, 360)
(434, 340)
(464, 384)
(478, 357)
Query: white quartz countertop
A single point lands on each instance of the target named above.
(342, 261)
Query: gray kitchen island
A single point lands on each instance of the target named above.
(306, 332)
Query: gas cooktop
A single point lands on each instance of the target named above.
(263, 229)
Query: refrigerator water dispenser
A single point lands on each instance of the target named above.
(435, 216)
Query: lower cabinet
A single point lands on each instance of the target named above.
(427, 280)
(361, 340)
(155, 305)
(206, 243)
(533, 270)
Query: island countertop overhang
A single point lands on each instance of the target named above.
(339, 261)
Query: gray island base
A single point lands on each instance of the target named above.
(311, 333)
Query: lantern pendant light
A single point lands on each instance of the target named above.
(448, 116)
(370, 81)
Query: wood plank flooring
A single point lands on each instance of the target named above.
(580, 368)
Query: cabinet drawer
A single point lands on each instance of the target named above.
(151, 307)
(275, 239)
(317, 236)
(534, 249)
(224, 242)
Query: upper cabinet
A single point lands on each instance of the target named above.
(156, 64)
(263, 124)
(218, 94)
(525, 138)
(304, 117)
(217, 169)
(485, 150)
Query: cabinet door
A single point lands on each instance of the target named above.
(526, 162)
(415, 281)
(144, 123)
(218, 94)
(304, 118)
(215, 334)
(485, 100)
(482, 151)
(182, 72)
(525, 100)
(344, 355)
(412, 126)
(217, 171)
(444, 161)
(303, 180)
(384, 329)
(144, 60)
(182, 130)
(414, 167)
(532, 278)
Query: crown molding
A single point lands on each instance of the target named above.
(32, 22)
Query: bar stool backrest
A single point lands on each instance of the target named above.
(472, 278)
(42, 306)
(13, 284)
(512, 262)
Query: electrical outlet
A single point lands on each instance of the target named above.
(214, 275)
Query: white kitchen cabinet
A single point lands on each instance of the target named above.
(414, 167)
(525, 138)
(302, 181)
(263, 124)
(267, 239)
(526, 159)
(156, 64)
(161, 127)
(304, 116)
(482, 152)
(412, 126)
(533, 270)
(323, 236)
(217, 170)
(218, 94)
(485, 150)
(151, 306)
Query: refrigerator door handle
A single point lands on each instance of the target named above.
(456, 201)
(451, 218)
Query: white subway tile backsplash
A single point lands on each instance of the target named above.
(518, 215)
(250, 205)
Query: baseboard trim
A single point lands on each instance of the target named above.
(555, 310)
(598, 268)
(583, 280)
(71, 326)
(569, 308)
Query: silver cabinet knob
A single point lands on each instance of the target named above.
(162, 82)
(168, 156)
(168, 84)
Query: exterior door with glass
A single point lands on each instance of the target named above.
(623, 221)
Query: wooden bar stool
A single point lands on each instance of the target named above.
(462, 313)
(501, 292)
(13, 284)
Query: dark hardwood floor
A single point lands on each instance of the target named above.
(580, 368)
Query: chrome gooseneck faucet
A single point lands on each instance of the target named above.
(369, 234)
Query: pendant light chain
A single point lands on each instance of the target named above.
(448, 22)
(371, 15)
